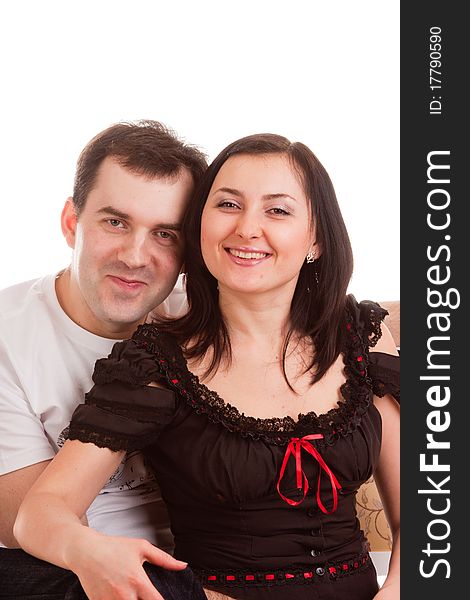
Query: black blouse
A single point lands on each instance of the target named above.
(231, 482)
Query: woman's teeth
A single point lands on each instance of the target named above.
(241, 254)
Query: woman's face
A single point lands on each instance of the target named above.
(256, 228)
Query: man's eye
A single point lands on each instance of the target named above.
(115, 223)
(165, 235)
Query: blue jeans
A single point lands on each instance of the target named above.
(24, 577)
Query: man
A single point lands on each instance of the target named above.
(132, 184)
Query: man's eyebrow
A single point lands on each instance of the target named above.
(109, 210)
(235, 192)
(172, 226)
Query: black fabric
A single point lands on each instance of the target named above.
(384, 372)
(218, 469)
(24, 577)
(122, 416)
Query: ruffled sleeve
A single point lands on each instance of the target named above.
(121, 411)
(371, 316)
(384, 372)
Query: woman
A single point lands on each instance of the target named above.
(262, 410)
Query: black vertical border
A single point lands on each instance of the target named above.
(421, 133)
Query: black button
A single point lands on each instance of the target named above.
(311, 512)
(315, 532)
(314, 552)
(320, 571)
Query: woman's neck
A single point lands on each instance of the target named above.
(254, 318)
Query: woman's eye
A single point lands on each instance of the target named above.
(278, 211)
(227, 204)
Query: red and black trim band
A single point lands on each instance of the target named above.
(313, 574)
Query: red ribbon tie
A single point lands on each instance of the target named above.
(294, 448)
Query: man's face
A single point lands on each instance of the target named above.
(127, 249)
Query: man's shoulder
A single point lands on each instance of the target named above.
(22, 300)
(13, 293)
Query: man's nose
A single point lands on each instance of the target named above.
(134, 252)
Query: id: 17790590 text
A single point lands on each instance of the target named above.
(435, 72)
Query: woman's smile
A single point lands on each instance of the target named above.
(256, 216)
(246, 256)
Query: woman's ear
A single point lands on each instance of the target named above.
(315, 250)
(68, 221)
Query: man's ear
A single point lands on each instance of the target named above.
(68, 221)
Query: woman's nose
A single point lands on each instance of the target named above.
(249, 225)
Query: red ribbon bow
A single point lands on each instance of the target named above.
(295, 448)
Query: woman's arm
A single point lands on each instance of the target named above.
(216, 595)
(49, 516)
(48, 526)
(387, 474)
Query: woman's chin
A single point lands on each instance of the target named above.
(246, 288)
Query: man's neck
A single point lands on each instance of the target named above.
(76, 309)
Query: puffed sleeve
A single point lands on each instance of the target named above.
(383, 369)
(384, 372)
(121, 411)
(371, 316)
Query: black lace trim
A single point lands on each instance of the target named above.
(104, 439)
(372, 315)
(385, 382)
(356, 392)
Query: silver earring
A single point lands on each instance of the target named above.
(316, 275)
(310, 260)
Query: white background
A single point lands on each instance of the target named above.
(324, 73)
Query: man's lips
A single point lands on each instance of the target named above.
(125, 283)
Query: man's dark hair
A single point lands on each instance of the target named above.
(147, 148)
(318, 307)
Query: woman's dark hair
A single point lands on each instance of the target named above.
(317, 309)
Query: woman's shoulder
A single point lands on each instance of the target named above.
(141, 358)
(367, 316)
(383, 361)
(155, 337)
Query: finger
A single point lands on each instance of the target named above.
(163, 559)
(148, 591)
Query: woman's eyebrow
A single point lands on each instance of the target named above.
(228, 190)
(273, 196)
(279, 195)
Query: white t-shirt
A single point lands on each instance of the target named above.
(46, 364)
